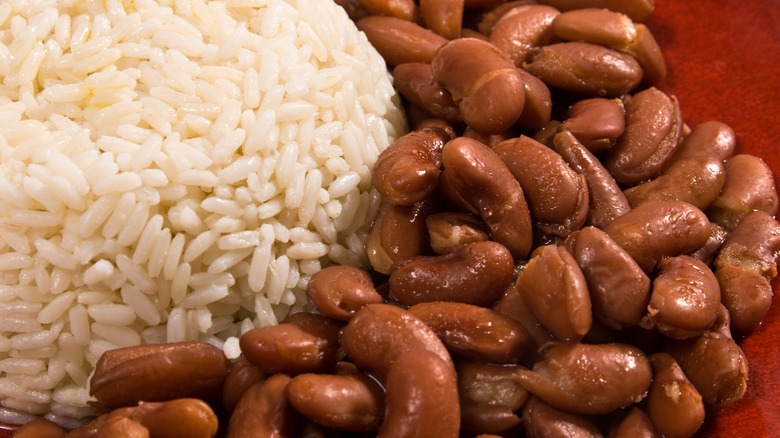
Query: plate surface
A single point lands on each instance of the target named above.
(724, 64)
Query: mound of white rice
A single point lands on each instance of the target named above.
(170, 171)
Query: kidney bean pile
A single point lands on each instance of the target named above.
(556, 252)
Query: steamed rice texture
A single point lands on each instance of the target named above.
(173, 170)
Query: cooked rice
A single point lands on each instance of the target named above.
(170, 171)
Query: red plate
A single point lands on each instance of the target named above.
(724, 64)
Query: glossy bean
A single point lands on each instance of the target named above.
(340, 291)
(595, 25)
(652, 134)
(398, 233)
(156, 372)
(422, 397)
(489, 397)
(450, 230)
(595, 122)
(523, 29)
(473, 332)
(445, 17)
(710, 249)
(497, 11)
(121, 427)
(407, 171)
(40, 428)
(588, 378)
(511, 304)
(637, 10)
(476, 273)
(306, 343)
(483, 81)
(635, 424)
(655, 230)
(399, 40)
(483, 181)
(673, 403)
(542, 420)
(749, 185)
(263, 411)
(415, 82)
(188, 417)
(538, 103)
(685, 298)
(619, 289)
(241, 376)
(557, 196)
(351, 402)
(648, 54)
(585, 68)
(556, 292)
(606, 200)
(379, 333)
(695, 173)
(402, 9)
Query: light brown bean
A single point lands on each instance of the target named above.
(619, 289)
(648, 54)
(188, 417)
(484, 182)
(445, 17)
(496, 11)
(655, 230)
(483, 81)
(606, 201)
(351, 402)
(402, 9)
(398, 233)
(157, 372)
(652, 134)
(263, 411)
(588, 379)
(422, 398)
(585, 68)
(399, 40)
(379, 333)
(673, 403)
(415, 82)
(554, 289)
(749, 186)
(475, 333)
(489, 397)
(341, 290)
(40, 428)
(522, 29)
(557, 196)
(449, 230)
(595, 25)
(121, 427)
(476, 273)
(542, 420)
(538, 103)
(635, 424)
(638, 10)
(596, 122)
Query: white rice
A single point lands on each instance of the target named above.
(173, 170)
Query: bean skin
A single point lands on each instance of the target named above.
(157, 372)
(399, 40)
(340, 291)
(398, 233)
(749, 185)
(485, 183)
(263, 411)
(635, 424)
(588, 379)
(523, 29)
(655, 230)
(449, 230)
(422, 398)
(40, 428)
(595, 25)
(596, 122)
(474, 332)
(415, 82)
(489, 397)
(402, 9)
(241, 376)
(445, 17)
(648, 54)
(543, 420)
(537, 109)
(673, 403)
(121, 427)
(637, 10)
(497, 11)
(476, 273)
(188, 417)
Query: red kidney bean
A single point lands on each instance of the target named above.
(403, 9)
(537, 108)
(445, 17)
(638, 10)
(450, 230)
(40, 428)
(489, 397)
(340, 291)
(264, 411)
(415, 82)
(542, 420)
(596, 122)
(635, 424)
(749, 185)
(523, 29)
(188, 417)
(399, 40)
(673, 403)
(241, 376)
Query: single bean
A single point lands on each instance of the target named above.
(121, 427)
(673, 403)
(445, 17)
(489, 397)
(422, 397)
(479, 176)
(301, 343)
(449, 230)
(40, 428)
(648, 54)
(496, 12)
(655, 230)
(695, 173)
(263, 411)
(157, 372)
(585, 68)
(595, 25)
(241, 376)
(710, 249)
(483, 81)
(557, 196)
(619, 289)
(402, 9)
(476, 273)
(606, 201)
(538, 103)
(595, 122)
(415, 82)
(588, 379)
(522, 29)
(407, 171)
(398, 233)
(351, 402)
(542, 420)
(748, 296)
(379, 333)
(652, 134)
(399, 40)
(473, 332)
(554, 289)
(188, 417)
(635, 424)
(511, 304)
(749, 186)
(340, 291)
(638, 10)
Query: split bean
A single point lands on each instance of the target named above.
(398, 233)
(673, 403)
(415, 82)
(340, 291)
(522, 29)
(178, 417)
(489, 396)
(450, 230)
(595, 122)
(645, 49)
